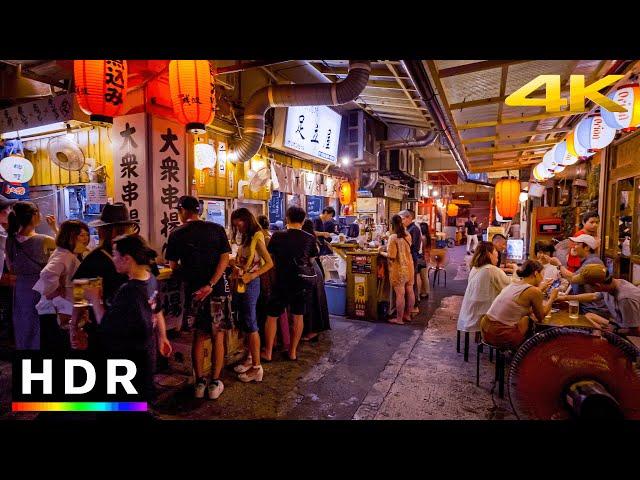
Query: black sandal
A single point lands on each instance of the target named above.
(287, 357)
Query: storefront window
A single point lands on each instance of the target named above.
(625, 218)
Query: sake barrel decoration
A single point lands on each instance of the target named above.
(628, 96)
(593, 134)
(507, 193)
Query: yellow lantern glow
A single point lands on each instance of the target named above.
(507, 197)
(452, 210)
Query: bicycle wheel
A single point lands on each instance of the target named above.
(451, 242)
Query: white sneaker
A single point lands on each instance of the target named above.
(216, 387)
(244, 366)
(199, 389)
(254, 374)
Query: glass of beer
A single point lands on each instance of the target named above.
(574, 308)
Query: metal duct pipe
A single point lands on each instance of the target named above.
(296, 95)
(418, 75)
(578, 170)
(423, 141)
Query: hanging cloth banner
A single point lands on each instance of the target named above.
(309, 181)
(289, 180)
(275, 184)
(298, 182)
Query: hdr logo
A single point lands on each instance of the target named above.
(75, 384)
(578, 92)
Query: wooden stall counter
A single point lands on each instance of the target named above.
(367, 284)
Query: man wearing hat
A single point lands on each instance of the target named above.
(584, 248)
(622, 298)
(5, 209)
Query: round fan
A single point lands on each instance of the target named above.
(259, 179)
(65, 153)
(553, 368)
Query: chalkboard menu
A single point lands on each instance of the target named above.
(276, 205)
(315, 204)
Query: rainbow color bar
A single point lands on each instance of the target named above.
(79, 406)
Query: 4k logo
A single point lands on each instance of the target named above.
(578, 92)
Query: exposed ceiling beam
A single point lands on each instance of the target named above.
(477, 67)
(392, 105)
(376, 72)
(511, 120)
(515, 148)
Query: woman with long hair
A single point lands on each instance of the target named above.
(485, 283)
(56, 285)
(316, 319)
(252, 260)
(125, 327)
(27, 254)
(508, 320)
(401, 272)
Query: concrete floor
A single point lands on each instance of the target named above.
(358, 370)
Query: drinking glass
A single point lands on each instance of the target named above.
(574, 309)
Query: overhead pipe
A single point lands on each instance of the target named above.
(296, 95)
(419, 142)
(418, 75)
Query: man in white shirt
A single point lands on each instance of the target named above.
(5, 209)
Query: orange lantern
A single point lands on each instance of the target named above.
(191, 87)
(100, 87)
(452, 210)
(507, 197)
(346, 193)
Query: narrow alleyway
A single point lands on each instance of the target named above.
(358, 370)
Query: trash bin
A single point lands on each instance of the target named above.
(336, 298)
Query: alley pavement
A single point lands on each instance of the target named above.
(358, 370)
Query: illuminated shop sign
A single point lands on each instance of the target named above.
(313, 130)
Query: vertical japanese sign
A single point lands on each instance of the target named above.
(168, 178)
(130, 170)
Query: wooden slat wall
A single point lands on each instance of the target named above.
(94, 142)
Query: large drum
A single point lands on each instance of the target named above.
(566, 373)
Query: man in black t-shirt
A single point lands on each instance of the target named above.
(324, 226)
(471, 227)
(290, 249)
(198, 253)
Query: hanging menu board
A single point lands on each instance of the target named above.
(315, 204)
(276, 204)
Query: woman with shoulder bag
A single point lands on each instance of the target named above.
(27, 253)
(56, 285)
(252, 260)
(401, 272)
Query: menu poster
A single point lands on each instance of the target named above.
(276, 204)
(315, 204)
(216, 212)
(97, 193)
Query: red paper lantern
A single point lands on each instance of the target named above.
(507, 197)
(101, 88)
(346, 193)
(191, 83)
(452, 210)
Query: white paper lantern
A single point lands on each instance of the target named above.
(628, 97)
(575, 148)
(16, 169)
(593, 134)
(204, 156)
(549, 160)
(541, 172)
(562, 156)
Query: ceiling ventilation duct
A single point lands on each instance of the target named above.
(296, 95)
(419, 142)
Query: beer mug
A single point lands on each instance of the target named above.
(574, 308)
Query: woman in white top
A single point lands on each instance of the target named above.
(56, 286)
(506, 323)
(486, 281)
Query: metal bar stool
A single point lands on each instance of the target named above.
(500, 365)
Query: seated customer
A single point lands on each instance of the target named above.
(500, 242)
(508, 320)
(486, 281)
(544, 252)
(621, 297)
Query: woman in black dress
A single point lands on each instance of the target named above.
(317, 320)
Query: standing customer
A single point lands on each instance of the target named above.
(401, 272)
(198, 253)
(416, 244)
(252, 261)
(292, 251)
(125, 328)
(27, 254)
(471, 227)
(316, 319)
(426, 257)
(56, 286)
(486, 281)
(5, 210)
(263, 221)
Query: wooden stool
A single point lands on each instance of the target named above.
(500, 364)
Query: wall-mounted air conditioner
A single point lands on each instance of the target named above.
(360, 132)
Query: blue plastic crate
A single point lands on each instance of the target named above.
(336, 298)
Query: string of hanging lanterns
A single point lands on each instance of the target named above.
(592, 133)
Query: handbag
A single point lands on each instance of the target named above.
(305, 271)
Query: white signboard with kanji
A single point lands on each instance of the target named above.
(314, 130)
(168, 171)
(129, 143)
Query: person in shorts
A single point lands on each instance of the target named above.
(198, 252)
(290, 249)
